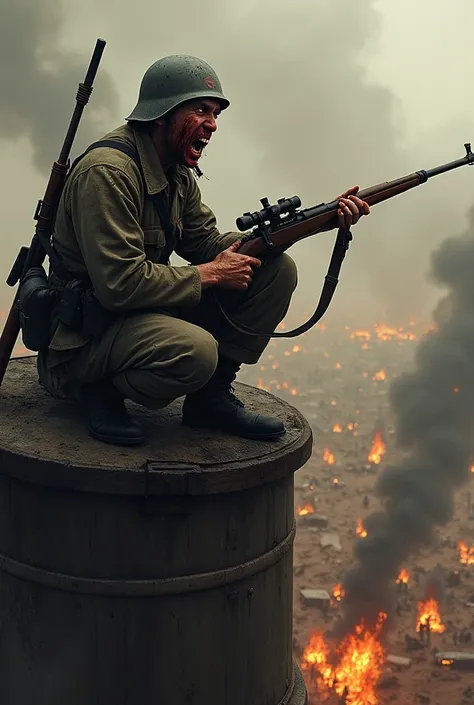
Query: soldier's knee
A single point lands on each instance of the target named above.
(201, 360)
(287, 273)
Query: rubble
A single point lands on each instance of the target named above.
(461, 660)
(331, 540)
(331, 376)
(312, 597)
(388, 680)
(317, 520)
(401, 662)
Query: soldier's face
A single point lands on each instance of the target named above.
(189, 130)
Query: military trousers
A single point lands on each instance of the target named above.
(156, 357)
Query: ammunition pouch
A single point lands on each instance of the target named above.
(36, 303)
(80, 310)
(95, 317)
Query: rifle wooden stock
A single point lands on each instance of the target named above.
(46, 208)
(324, 217)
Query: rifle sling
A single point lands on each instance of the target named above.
(344, 236)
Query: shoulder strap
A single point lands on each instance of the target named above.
(160, 203)
(115, 144)
(158, 200)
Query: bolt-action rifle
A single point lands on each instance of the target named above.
(274, 228)
(34, 255)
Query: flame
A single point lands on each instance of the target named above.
(428, 614)
(336, 428)
(447, 662)
(360, 335)
(338, 593)
(466, 553)
(328, 457)
(335, 482)
(404, 577)
(377, 450)
(360, 530)
(384, 332)
(338, 366)
(380, 375)
(296, 348)
(307, 509)
(358, 664)
(472, 468)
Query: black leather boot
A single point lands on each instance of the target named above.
(216, 406)
(107, 418)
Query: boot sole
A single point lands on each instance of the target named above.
(117, 441)
(250, 436)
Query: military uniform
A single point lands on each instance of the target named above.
(119, 218)
(164, 333)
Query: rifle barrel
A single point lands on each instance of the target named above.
(46, 207)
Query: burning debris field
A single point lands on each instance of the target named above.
(381, 617)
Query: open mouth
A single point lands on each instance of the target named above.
(199, 144)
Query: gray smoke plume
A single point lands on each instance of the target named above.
(434, 408)
(38, 80)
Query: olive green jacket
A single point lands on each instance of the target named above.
(107, 229)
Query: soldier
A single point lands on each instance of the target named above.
(126, 206)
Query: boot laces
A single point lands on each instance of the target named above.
(229, 394)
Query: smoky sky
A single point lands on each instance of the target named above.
(307, 117)
(434, 409)
(39, 78)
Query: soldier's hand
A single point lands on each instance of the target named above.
(351, 208)
(233, 270)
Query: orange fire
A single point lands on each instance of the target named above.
(360, 335)
(428, 614)
(335, 481)
(328, 457)
(358, 665)
(377, 450)
(307, 509)
(336, 428)
(404, 577)
(380, 375)
(360, 530)
(472, 468)
(384, 332)
(466, 553)
(338, 593)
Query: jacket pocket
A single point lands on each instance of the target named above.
(154, 242)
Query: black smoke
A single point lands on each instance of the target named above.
(434, 409)
(39, 78)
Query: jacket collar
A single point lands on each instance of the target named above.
(155, 177)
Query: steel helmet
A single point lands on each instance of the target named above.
(174, 80)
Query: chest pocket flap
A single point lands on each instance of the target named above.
(154, 241)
